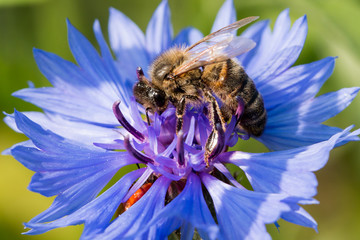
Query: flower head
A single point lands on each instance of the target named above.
(92, 126)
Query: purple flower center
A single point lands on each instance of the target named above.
(195, 148)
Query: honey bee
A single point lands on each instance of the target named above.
(196, 74)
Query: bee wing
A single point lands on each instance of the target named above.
(229, 47)
(226, 30)
(217, 47)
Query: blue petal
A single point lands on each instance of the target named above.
(45, 139)
(298, 124)
(128, 42)
(76, 131)
(153, 142)
(191, 132)
(74, 91)
(59, 72)
(56, 173)
(97, 214)
(278, 50)
(298, 135)
(187, 37)
(189, 208)
(28, 144)
(254, 32)
(71, 106)
(110, 64)
(141, 181)
(242, 214)
(159, 31)
(130, 224)
(75, 83)
(315, 110)
(288, 171)
(297, 84)
(225, 16)
(300, 217)
(78, 193)
(64, 168)
(93, 66)
(136, 116)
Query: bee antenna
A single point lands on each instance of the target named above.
(139, 73)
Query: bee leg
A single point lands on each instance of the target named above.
(180, 148)
(147, 115)
(226, 112)
(216, 140)
(180, 111)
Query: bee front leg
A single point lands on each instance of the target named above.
(147, 110)
(180, 111)
(216, 140)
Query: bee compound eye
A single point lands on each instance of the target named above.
(160, 100)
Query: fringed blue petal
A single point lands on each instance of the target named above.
(74, 172)
(315, 110)
(298, 135)
(288, 171)
(187, 37)
(85, 133)
(73, 107)
(130, 224)
(159, 31)
(128, 43)
(300, 217)
(110, 65)
(91, 64)
(278, 50)
(253, 32)
(296, 85)
(225, 16)
(242, 214)
(190, 209)
(291, 126)
(97, 214)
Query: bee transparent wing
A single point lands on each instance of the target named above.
(229, 47)
(226, 30)
(217, 46)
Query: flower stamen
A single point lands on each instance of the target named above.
(122, 120)
(239, 110)
(136, 154)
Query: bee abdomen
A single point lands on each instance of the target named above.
(229, 80)
(254, 116)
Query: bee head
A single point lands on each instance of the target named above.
(149, 95)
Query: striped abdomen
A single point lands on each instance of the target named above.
(229, 80)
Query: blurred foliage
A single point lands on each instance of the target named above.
(333, 30)
(18, 2)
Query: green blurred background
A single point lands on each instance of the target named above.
(333, 30)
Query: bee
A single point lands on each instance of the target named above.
(196, 74)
